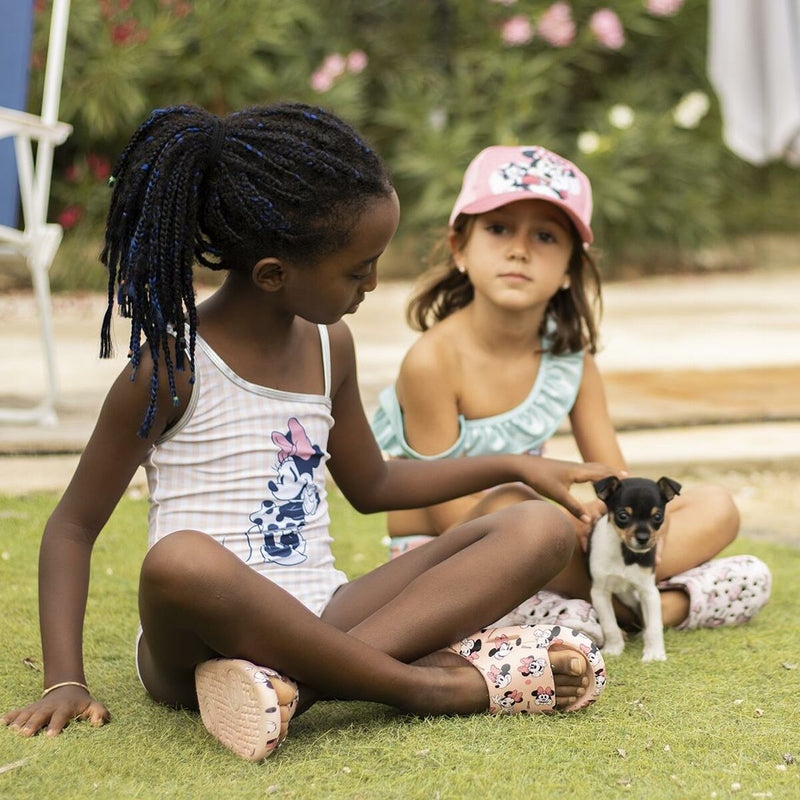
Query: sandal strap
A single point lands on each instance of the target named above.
(515, 664)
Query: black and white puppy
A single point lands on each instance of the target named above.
(622, 558)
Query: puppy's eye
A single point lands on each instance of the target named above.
(658, 518)
(623, 517)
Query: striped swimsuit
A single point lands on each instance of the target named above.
(246, 465)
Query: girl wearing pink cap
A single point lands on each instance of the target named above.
(507, 354)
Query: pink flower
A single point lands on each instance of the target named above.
(356, 61)
(70, 217)
(607, 29)
(664, 8)
(321, 81)
(122, 32)
(182, 9)
(334, 64)
(517, 31)
(99, 166)
(72, 173)
(556, 26)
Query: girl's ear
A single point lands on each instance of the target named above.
(455, 241)
(269, 274)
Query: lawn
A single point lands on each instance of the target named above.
(720, 718)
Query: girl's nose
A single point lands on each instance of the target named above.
(371, 281)
(518, 249)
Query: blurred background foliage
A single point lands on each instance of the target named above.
(623, 93)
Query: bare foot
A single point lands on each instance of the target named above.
(569, 674)
(455, 688)
(674, 607)
(287, 702)
(674, 610)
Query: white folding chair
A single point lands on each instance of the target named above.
(37, 242)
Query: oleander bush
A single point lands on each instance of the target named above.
(622, 92)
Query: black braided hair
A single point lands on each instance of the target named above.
(285, 181)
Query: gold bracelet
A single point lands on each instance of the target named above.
(64, 683)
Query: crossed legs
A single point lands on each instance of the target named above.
(198, 601)
(703, 521)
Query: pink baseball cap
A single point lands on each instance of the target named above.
(500, 175)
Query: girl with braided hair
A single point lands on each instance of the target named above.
(231, 406)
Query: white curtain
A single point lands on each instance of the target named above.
(754, 65)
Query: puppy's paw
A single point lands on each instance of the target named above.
(654, 655)
(614, 646)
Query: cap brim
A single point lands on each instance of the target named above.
(496, 200)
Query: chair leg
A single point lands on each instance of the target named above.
(41, 285)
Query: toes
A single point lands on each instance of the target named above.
(567, 663)
(285, 690)
(569, 674)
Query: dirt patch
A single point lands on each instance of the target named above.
(702, 397)
(768, 500)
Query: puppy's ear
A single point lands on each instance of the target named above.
(606, 487)
(669, 488)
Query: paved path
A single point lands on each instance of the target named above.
(683, 357)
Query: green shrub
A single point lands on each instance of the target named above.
(431, 82)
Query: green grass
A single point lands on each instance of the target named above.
(721, 712)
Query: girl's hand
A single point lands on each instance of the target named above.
(554, 478)
(595, 508)
(54, 712)
(662, 536)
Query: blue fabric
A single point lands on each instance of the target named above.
(15, 40)
(523, 429)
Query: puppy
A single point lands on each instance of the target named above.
(622, 558)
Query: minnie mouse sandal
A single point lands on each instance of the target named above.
(725, 591)
(240, 707)
(514, 661)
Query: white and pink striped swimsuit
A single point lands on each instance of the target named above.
(246, 465)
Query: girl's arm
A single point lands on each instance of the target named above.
(591, 424)
(429, 399)
(372, 484)
(594, 433)
(112, 455)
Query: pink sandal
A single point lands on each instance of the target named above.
(515, 664)
(725, 591)
(239, 706)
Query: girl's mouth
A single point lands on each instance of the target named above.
(353, 308)
(514, 276)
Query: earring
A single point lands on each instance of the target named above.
(565, 285)
(461, 268)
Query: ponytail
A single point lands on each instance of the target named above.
(193, 187)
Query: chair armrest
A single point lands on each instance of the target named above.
(16, 123)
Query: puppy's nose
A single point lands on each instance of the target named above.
(642, 536)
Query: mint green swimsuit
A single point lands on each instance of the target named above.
(524, 429)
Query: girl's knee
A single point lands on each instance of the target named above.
(548, 531)
(504, 496)
(176, 561)
(719, 509)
